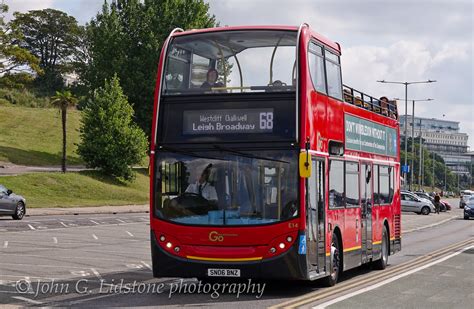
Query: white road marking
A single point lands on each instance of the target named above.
(131, 235)
(77, 227)
(147, 265)
(55, 240)
(79, 273)
(5, 244)
(372, 287)
(96, 273)
(121, 221)
(63, 224)
(31, 227)
(95, 222)
(31, 301)
(95, 237)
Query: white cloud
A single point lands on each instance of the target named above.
(24, 6)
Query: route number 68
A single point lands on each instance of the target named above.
(266, 121)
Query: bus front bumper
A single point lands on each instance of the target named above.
(289, 265)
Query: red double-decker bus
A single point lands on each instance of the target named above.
(263, 164)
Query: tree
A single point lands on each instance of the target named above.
(63, 100)
(110, 140)
(126, 38)
(13, 58)
(53, 37)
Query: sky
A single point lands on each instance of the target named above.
(393, 40)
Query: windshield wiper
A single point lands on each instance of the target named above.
(246, 155)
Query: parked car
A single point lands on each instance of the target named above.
(12, 204)
(446, 205)
(413, 203)
(469, 208)
(424, 195)
(465, 195)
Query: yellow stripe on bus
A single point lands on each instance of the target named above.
(223, 259)
(377, 242)
(352, 249)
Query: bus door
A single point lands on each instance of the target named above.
(316, 217)
(366, 213)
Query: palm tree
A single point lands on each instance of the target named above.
(63, 100)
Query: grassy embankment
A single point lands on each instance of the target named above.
(33, 136)
(88, 188)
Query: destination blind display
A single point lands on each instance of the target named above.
(228, 121)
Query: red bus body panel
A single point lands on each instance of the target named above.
(321, 120)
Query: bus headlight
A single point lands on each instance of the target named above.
(281, 245)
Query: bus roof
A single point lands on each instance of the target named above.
(316, 35)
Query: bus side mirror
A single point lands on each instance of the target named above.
(305, 165)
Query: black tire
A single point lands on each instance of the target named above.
(425, 210)
(336, 267)
(20, 211)
(466, 217)
(383, 261)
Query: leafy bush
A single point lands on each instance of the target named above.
(111, 141)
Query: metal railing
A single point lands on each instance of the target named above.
(362, 100)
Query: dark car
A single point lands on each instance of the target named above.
(12, 204)
(469, 208)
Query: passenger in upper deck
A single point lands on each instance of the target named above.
(384, 105)
(211, 80)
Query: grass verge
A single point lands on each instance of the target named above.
(87, 188)
(33, 136)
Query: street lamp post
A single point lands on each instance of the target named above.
(406, 109)
(433, 183)
(412, 171)
(445, 176)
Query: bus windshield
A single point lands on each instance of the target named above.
(231, 62)
(226, 187)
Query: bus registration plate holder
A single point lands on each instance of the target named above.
(223, 272)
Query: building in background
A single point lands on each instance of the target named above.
(442, 137)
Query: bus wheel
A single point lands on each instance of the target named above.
(331, 280)
(382, 263)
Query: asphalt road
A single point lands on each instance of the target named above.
(104, 260)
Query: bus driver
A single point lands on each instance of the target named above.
(202, 187)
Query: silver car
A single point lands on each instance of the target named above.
(465, 195)
(413, 203)
(12, 204)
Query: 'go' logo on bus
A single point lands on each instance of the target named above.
(266, 121)
(215, 236)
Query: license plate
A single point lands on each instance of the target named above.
(223, 272)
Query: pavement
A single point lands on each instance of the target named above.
(413, 222)
(444, 285)
(103, 260)
(10, 169)
(87, 210)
